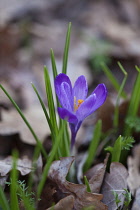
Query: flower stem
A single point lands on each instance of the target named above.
(73, 136)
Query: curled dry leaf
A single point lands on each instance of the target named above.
(133, 170)
(82, 198)
(65, 203)
(96, 180)
(115, 181)
(24, 165)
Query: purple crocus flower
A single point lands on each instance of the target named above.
(76, 106)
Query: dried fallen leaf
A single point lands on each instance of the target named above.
(24, 165)
(50, 195)
(3, 180)
(136, 204)
(115, 181)
(133, 170)
(13, 123)
(65, 203)
(98, 173)
(82, 198)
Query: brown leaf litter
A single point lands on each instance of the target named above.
(75, 196)
(115, 181)
(133, 179)
(13, 123)
(24, 165)
(65, 203)
(133, 170)
(82, 198)
(96, 174)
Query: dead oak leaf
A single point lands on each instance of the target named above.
(82, 198)
(115, 181)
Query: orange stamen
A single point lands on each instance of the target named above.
(80, 101)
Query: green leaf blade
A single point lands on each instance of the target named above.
(50, 160)
(3, 200)
(117, 150)
(113, 80)
(52, 111)
(66, 50)
(26, 122)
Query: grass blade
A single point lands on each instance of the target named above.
(44, 108)
(66, 50)
(55, 73)
(135, 99)
(3, 200)
(49, 161)
(117, 150)
(65, 143)
(116, 113)
(13, 186)
(87, 184)
(134, 102)
(52, 111)
(67, 139)
(53, 134)
(26, 122)
(34, 166)
(113, 80)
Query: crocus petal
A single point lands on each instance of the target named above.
(59, 80)
(65, 96)
(80, 88)
(86, 108)
(101, 94)
(66, 115)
